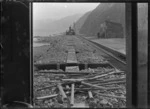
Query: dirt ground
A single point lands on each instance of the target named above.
(56, 52)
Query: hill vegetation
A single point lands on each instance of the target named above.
(114, 12)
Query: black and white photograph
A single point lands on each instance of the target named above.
(74, 54)
(73, 64)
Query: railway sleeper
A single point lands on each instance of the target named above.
(61, 67)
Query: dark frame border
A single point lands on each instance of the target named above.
(131, 29)
(31, 51)
(148, 56)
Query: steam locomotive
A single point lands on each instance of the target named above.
(70, 31)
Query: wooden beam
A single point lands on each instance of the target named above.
(72, 94)
(128, 28)
(112, 96)
(62, 92)
(90, 95)
(134, 55)
(46, 97)
(142, 75)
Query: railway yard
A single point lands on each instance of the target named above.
(74, 72)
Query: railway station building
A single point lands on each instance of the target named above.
(109, 29)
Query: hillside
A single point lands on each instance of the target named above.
(81, 21)
(110, 11)
(47, 27)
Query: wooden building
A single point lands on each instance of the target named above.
(110, 29)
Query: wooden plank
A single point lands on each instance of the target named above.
(91, 88)
(67, 72)
(72, 94)
(110, 83)
(47, 87)
(71, 57)
(62, 92)
(128, 29)
(90, 94)
(112, 96)
(72, 69)
(71, 49)
(70, 44)
(94, 86)
(100, 76)
(46, 97)
(108, 80)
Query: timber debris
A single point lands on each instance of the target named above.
(105, 88)
(55, 87)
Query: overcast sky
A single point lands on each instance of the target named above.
(55, 11)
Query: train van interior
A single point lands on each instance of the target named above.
(17, 56)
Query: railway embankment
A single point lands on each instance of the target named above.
(82, 77)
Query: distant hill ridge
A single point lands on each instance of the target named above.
(49, 26)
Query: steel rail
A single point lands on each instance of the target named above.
(107, 52)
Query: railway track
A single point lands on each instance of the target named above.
(78, 84)
(114, 54)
